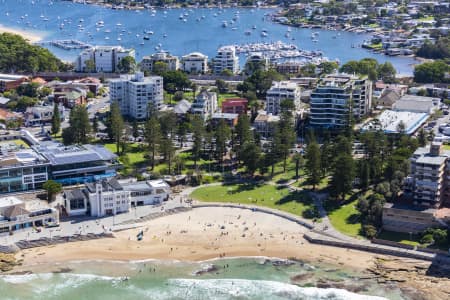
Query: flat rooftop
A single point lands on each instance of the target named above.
(58, 154)
(9, 201)
(389, 120)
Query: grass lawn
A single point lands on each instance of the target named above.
(399, 237)
(264, 195)
(134, 157)
(346, 219)
(224, 96)
(446, 147)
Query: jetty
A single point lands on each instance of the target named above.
(67, 44)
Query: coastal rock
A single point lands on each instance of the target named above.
(301, 277)
(206, 269)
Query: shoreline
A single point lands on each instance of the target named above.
(31, 37)
(209, 234)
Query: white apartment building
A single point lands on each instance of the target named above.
(282, 90)
(226, 59)
(148, 62)
(105, 58)
(335, 95)
(194, 62)
(205, 104)
(135, 93)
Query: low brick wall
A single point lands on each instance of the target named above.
(368, 248)
(393, 244)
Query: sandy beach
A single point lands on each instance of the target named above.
(202, 234)
(32, 37)
(206, 233)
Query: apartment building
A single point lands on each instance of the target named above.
(429, 183)
(335, 95)
(226, 59)
(103, 59)
(148, 62)
(279, 91)
(205, 104)
(136, 93)
(194, 63)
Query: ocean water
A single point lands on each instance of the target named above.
(202, 30)
(237, 278)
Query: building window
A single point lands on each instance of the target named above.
(77, 204)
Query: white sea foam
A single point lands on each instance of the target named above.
(242, 288)
(25, 278)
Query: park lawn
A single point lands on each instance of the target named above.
(446, 147)
(280, 176)
(346, 219)
(263, 195)
(135, 155)
(399, 237)
(223, 96)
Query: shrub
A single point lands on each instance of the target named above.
(427, 239)
(369, 231)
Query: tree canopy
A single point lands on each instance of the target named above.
(431, 72)
(18, 56)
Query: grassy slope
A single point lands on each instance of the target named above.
(263, 195)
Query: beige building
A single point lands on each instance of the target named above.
(148, 62)
(14, 215)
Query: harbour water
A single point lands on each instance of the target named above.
(179, 31)
(237, 278)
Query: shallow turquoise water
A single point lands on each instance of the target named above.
(238, 278)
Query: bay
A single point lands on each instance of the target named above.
(179, 30)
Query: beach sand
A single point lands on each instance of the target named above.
(207, 233)
(32, 37)
(202, 234)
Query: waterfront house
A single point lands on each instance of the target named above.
(195, 63)
(148, 62)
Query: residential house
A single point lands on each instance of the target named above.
(9, 82)
(264, 124)
(235, 106)
(40, 115)
(230, 119)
